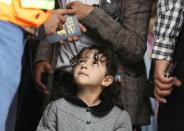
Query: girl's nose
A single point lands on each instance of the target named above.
(85, 64)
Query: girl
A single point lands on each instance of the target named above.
(92, 106)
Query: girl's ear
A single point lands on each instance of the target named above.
(107, 81)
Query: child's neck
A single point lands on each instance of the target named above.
(90, 97)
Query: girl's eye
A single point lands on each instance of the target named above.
(81, 61)
(96, 63)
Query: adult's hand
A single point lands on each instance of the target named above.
(163, 84)
(82, 10)
(75, 38)
(40, 68)
(56, 20)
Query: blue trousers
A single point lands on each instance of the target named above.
(11, 51)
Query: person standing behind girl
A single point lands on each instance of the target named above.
(92, 107)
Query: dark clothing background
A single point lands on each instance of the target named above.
(171, 114)
(29, 98)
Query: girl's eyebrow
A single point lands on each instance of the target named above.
(82, 57)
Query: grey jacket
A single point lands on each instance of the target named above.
(122, 25)
(62, 115)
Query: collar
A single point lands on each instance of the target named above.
(99, 110)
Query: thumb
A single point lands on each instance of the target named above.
(48, 69)
(67, 11)
(69, 5)
(82, 27)
(177, 82)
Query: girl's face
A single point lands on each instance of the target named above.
(91, 72)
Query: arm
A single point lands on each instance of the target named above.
(127, 38)
(42, 65)
(48, 120)
(55, 20)
(44, 52)
(123, 123)
(168, 26)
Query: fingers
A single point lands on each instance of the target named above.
(48, 68)
(163, 93)
(164, 80)
(42, 67)
(167, 84)
(64, 11)
(62, 20)
(75, 38)
(82, 28)
(177, 82)
(61, 42)
(60, 26)
(73, 5)
(163, 85)
(69, 11)
(69, 5)
(40, 86)
(159, 98)
(162, 89)
(70, 39)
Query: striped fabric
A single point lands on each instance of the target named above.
(168, 26)
(61, 115)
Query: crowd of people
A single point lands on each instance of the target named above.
(96, 81)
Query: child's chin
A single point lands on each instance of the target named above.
(82, 83)
(82, 80)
